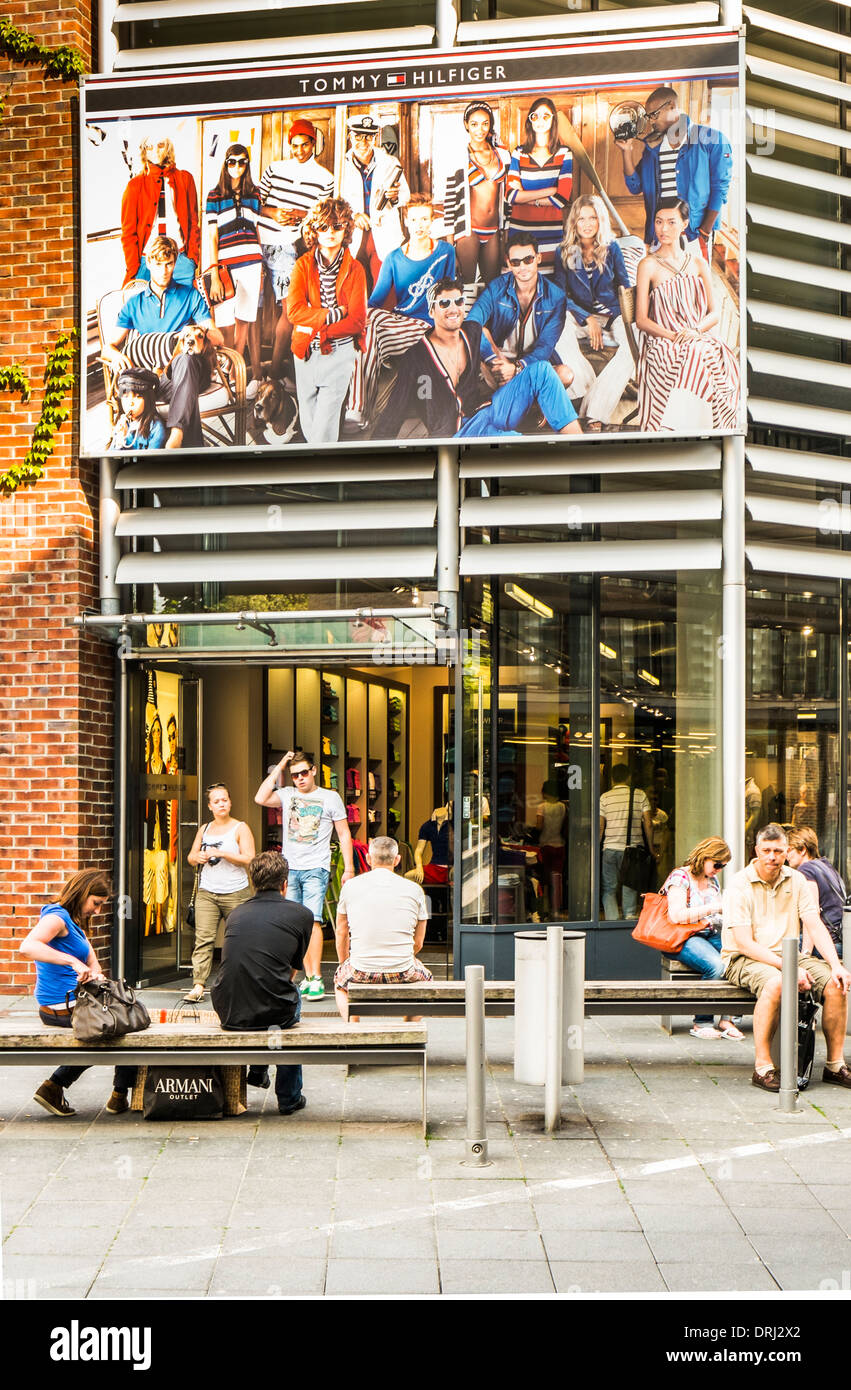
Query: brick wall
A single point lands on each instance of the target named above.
(55, 686)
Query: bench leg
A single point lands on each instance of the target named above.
(667, 1022)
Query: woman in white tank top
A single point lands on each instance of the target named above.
(222, 851)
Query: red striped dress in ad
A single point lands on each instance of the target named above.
(675, 377)
(552, 183)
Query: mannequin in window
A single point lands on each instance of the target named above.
(550, 821)
(436, 832)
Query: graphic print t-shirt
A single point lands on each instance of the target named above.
(307, 826)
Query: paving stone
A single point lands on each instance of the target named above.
(164, 1240)
(823, 1276)
(141, 1271)
(711, 1249)
(684, 1277)
(496, 1244)
(91, 1241)
(382, 1276)
(495, 1277)
(715, 1220)
(415, 1241)
(269, 1277)
(601, 1277)
(596, 1246)
(691, 1190)
(591, 1216)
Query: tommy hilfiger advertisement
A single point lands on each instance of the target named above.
(482, 245)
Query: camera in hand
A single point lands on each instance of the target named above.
(628, 121)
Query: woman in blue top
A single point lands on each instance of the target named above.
(590, 269)
(64, 959)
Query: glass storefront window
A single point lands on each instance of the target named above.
(659, 722)
(544, 740)
(792, 756)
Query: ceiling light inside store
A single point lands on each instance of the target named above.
(648, 676)
(528, 600)
(608, 651)
(806, 632)
(808, 714)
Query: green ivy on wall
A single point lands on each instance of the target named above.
(66, 65)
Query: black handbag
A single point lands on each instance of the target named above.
(183, 1093)
(105, 1010)
(808, 1011)
(638, 867)
(190, 911)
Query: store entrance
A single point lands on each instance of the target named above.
(381, 736)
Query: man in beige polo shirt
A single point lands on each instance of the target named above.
(765, 903)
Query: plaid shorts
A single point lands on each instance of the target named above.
(345, 972)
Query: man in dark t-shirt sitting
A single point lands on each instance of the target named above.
(265, 942)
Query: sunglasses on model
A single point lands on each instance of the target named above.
(523, 260)
(456, 303)
(236, 163)
(302, 772)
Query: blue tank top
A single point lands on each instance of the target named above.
(53, 981)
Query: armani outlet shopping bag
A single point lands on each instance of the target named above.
(183, 1093)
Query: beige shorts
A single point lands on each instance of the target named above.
(754, 975)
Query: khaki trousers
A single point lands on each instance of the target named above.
(210, 909)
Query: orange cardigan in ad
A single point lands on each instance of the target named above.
(305, 310)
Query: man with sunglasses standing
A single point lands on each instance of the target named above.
(681, 159)
(522, 314)
(444, 387)
(310, 813)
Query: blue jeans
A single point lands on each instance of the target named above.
(703, 954)
(287, 1079)
(612, 859)
(309, 886)
(538, 385)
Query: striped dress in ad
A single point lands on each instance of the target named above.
(551, 183)
(689, 386)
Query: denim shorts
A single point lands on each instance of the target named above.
(309, 886)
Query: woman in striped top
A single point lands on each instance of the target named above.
(233, 213)
(473, 200)
(540, 180)
(688, 380)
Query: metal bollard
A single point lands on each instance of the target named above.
(555, 1027)
(474, 1015)
(788, 1097)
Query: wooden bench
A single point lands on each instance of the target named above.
(25, 1041)
(685, 994)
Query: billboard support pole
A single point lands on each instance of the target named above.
(732, 647)
(445, 23)
(448, 582)
(731, 14)
(108, 541)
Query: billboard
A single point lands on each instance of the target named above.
(490, 244)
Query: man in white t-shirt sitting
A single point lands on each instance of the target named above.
(310, 813)
(381, 925)
(614, 823)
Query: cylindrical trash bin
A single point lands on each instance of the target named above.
(845, 951)
(530, 1007)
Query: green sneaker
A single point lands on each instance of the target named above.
(315, 987)
(304, 986)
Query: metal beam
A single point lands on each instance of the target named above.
(732, 649)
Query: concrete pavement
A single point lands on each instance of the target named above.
(671, 1172)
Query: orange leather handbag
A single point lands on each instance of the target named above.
(655, 928)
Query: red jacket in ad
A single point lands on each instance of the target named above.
(139, 208)
(305, 310)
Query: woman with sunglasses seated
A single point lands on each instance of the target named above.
(233, 212)
(590, 269)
